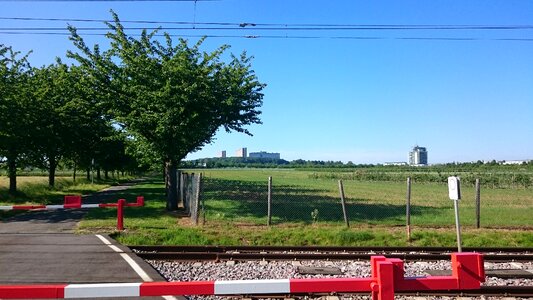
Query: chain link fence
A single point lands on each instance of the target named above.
(242, 201)
(279, 200)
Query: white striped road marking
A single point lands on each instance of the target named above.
(132, 263)
(103, 290)
(103, 239)
(236, 287)
(136, 267)
(145, 277)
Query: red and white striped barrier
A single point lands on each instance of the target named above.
(72, 202)
(387, 277)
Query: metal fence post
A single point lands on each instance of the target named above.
(408, 209)
(478, 203)
(343, 202)
(269, 201)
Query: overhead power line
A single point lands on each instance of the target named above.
(271, 30)
(294, 37)
(106, 0)
(296, 26)
(365, 28)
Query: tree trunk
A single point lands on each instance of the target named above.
(165, 172)
(106, 174)
(88, 174)
(52, 171)
(74, 173)
(12, 170)
(171, 181)
(98, 175)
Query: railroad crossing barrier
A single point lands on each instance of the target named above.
(74, 201)
(387, 277)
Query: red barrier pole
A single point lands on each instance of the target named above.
(120, 214)
(140, 201)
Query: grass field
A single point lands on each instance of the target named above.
(153, 225)
(236, 212)
(34, 190)
(241, 196)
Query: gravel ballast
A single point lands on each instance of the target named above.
(231, 270)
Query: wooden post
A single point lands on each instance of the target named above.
(408, 209)
(478, 203)
(202, 201)
(269, 201)
(178, 187)
(343, 202)
(181, 189)
(197, 198)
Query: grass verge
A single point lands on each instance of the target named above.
(34, 190)
(153, 225)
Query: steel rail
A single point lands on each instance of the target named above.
(213, 256)
(502, 291)
(327, 249)
(493, 291)
(241, 253)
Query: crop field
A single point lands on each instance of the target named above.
(240, 195)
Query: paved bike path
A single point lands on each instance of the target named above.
(40, 247)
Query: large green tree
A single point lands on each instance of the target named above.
(172, 97)
(16, 114)
(70, 125)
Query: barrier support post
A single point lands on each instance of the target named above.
(120, 214)
(140, 201)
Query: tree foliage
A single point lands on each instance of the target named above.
(52, 113)
(16, 113)
(170, 97)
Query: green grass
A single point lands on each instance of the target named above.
(230, 222)
(34, 190)
(241, 196)
(236, 213)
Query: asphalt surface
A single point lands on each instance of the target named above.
(40, 247)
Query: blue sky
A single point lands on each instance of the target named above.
(368, 98)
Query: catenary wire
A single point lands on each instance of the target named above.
(294, 26)
(106, 0)
(293, 37)
(263, 28)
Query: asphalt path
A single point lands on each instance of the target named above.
(40, 247)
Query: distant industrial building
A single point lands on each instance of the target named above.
(263, 154)
(513, 162)
(222, 154)
(242, 152)
(395, 163)
(418, 156)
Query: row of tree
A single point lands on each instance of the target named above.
(320, 165)
(50, 115)
(158, 99)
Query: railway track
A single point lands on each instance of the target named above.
(247, 253)
(486, 291)
(184, 263)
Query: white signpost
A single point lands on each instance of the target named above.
(454, 192)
